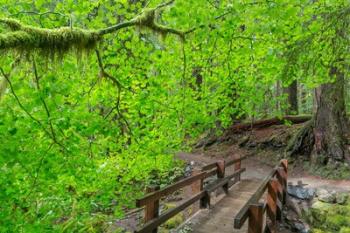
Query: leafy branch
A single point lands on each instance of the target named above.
(28, 113)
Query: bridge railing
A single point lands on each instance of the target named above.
(259, 208)
(153, 219)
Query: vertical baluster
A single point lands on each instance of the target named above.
(256, 218)
(272, 204)
(152, 209)
(237, 167)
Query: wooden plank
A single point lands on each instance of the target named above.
(284, 163)
(221, 182)
(256, 216)
(211, 173)
(233, 161)
(243, 214)
(272, 204)
(151, 225)
(152, 209)
(196, 187)
(169, 189)
(219, 218)
(209, 166)
(221, 168)
(228, 163)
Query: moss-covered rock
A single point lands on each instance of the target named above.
(174, 221)
(326, 217)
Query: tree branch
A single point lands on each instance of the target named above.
(119, 88)
(65, 38)
(3, 82)
(43, 101)
(27, 112)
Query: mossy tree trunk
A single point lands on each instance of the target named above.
(330, 121)
(292, 93)
(324, 137)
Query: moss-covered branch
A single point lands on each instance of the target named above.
(61, 40)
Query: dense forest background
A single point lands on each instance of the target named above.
(93, 112)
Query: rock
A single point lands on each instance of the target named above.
(320, 206)
(326, 196)
(244, 141)
(301, 227)
(341, 198)
(300, 192)
(189, 169)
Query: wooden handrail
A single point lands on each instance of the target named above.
(221, 182)
(169, 189)
(151, 225)
(254, 210)
(203, 193)
(235, 161)
(228, 163)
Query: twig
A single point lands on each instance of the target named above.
(27, 112)
(43, 100)
(119, 87)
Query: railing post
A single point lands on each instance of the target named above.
(197, 187)
(221, 168)
(152, 209)
(237, 167)
(221, 165)
(282, 175)
(256, 218)
(272, 203)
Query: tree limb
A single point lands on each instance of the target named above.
(28, 113)
(66, 38)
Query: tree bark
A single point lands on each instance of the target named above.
(292, 92)
(325, 137)
(330, 121)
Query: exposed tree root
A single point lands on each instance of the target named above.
(241, 127)
(302, 142)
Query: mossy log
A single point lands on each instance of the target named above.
(268, 122)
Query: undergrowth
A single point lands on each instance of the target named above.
(330, 171)
(330, 218)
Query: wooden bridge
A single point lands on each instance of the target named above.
(248, 205)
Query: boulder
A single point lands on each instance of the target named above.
(341, 198)
(325, 195)
(300, 192)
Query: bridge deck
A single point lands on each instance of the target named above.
(219, 218)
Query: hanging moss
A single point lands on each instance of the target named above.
(12, 24)
(148, 20)
(57, 42)
(48, 41)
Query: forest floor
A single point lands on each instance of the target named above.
(264, 148)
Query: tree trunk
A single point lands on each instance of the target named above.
(292, 92)
(330, 122)
(325, 136)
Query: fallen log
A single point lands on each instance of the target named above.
(268, 122)
(246, 126)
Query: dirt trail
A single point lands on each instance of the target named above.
(257, 168)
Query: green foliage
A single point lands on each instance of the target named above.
(79, 144)
(336, 171)
(326, 217)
